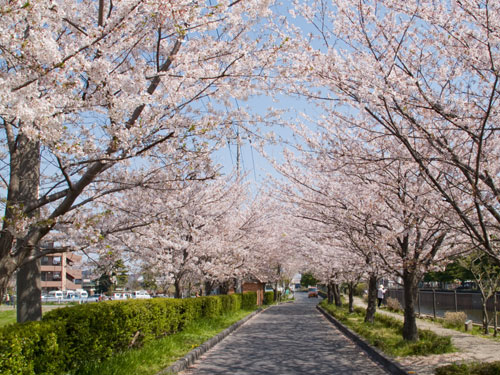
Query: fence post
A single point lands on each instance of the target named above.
(434, 302)
(418, 301)
(456, 303)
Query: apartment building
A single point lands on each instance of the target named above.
(61, 271)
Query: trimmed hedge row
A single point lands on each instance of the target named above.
(67, 338)
(268, 298)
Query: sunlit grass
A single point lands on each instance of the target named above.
(7, 317)
(159, 354)
(386, 333)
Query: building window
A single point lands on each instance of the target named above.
(45, 261)
(56, 276)
(56, 261)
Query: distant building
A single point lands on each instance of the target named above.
(254, 284)
(61, 271)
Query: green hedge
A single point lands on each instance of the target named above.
(67, 338)
(268, 298)
(248, 300)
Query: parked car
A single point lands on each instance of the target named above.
(140, 294)
(80, 293)
(312, 292)
(56, 294)
(121, 296)
(69, 294)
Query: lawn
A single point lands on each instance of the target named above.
(7, 317)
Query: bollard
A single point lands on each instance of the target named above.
(468, 325)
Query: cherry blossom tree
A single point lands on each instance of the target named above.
(375, 204)
(91, 88)
(179, 230)
(424, 74)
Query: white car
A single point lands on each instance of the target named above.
(121, 296)
(140, 294)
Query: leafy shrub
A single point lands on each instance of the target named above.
(212, 306)
(248, 300)
(454, 319)
(31, 348)
(492, 368)
(68, 338)
(393, 304)
(268, 298)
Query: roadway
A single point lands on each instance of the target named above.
(292, 338)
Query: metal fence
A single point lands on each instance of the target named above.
(437, 302)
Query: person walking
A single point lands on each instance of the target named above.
(380, 294)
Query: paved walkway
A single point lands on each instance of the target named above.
(292, 338)
(471, 348)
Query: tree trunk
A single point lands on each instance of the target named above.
(350, 286)
(372, 299)
(330, 293)
(177, 286)
(495, 320)
(224, 287)
(336, 295)
(275, 292)
(29, 292)
(23, 191)
(209, 287)
(485, 316)
(410, 285)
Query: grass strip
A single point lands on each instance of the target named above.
(386, 333)
(492, 368)
(159, 354)
(7, 317)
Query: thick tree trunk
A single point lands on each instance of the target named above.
(330, 293)
(410, 285)
(351, 296)
(224, 287)
(209, 287)
(178, 290)
(22, 192)
(29, 292)
(336, 295)
(372, 299)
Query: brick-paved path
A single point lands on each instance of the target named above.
(292, 338)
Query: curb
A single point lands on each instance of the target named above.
(193, 355)
(389, 364)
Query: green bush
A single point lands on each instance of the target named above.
(68, 338)
(492, 368)
(268, 298)
(248, 300)
(212, 306)
(31, 348)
